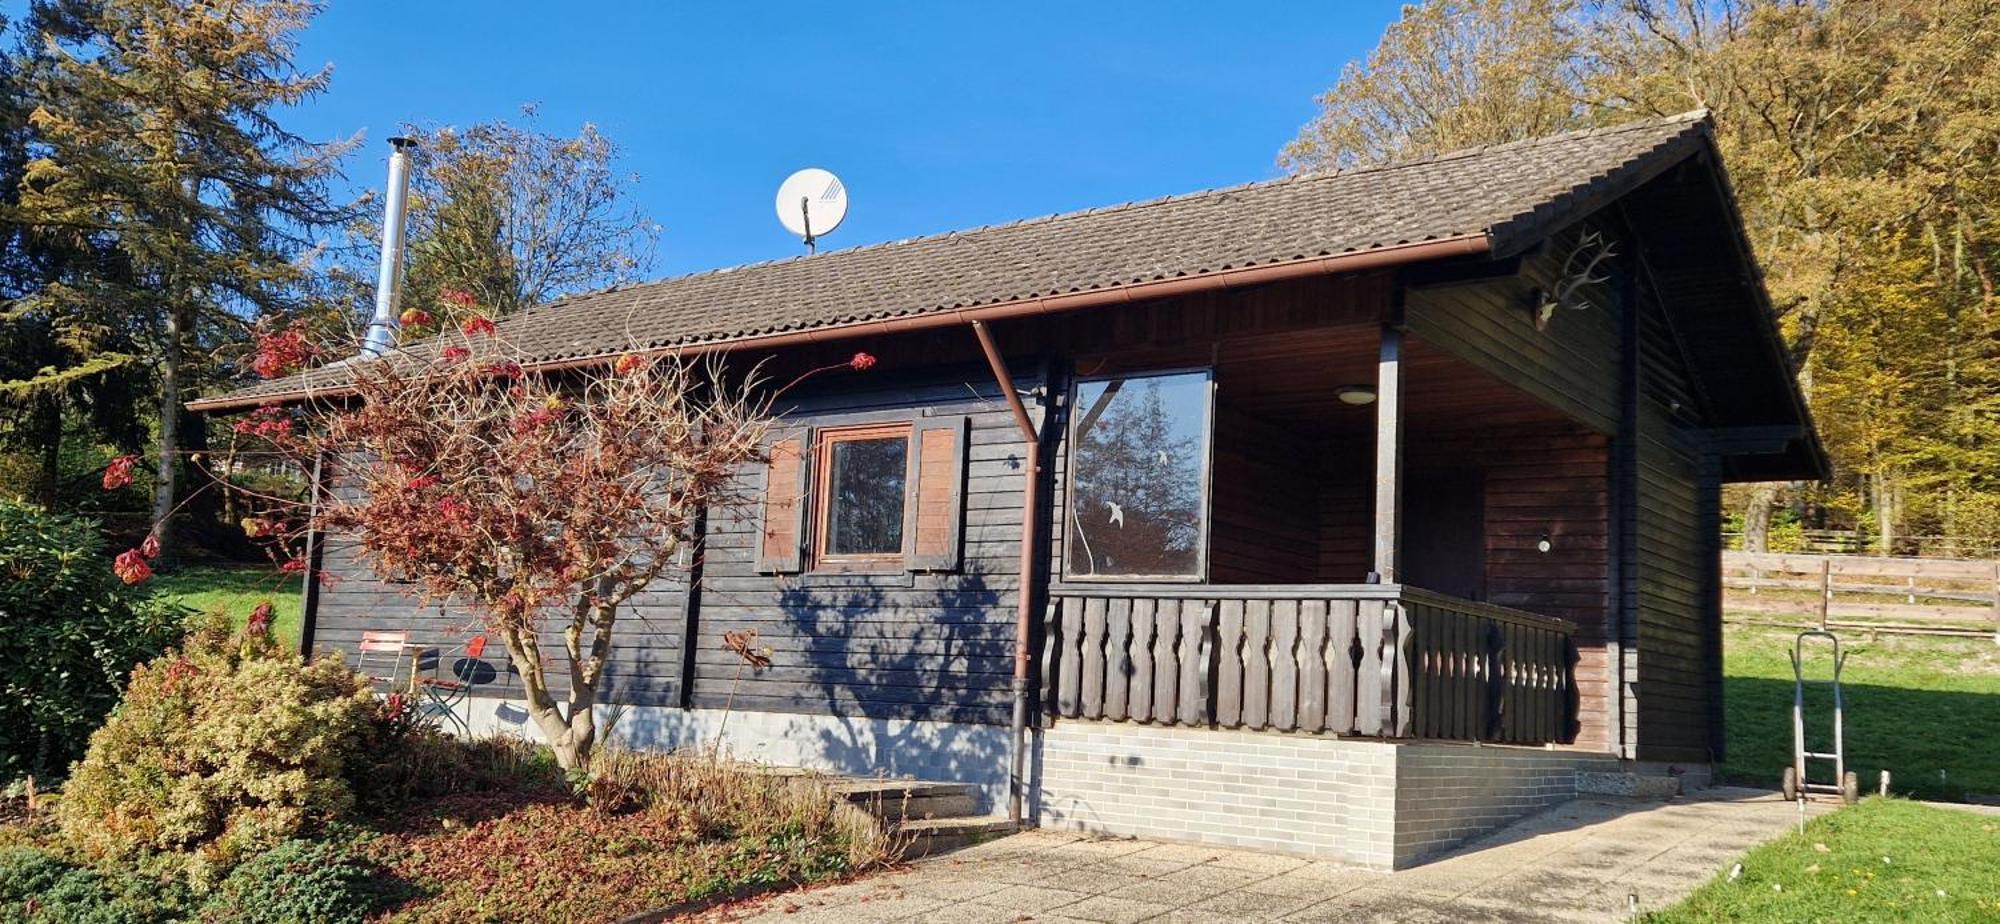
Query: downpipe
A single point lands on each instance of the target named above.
(1024, 596)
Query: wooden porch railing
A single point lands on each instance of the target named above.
(1354, 659)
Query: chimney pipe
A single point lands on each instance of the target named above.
(382, 327)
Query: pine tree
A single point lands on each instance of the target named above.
(159, 144)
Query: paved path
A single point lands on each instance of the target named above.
(1574, 863)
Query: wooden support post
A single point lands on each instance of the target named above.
(1389, 457)
(1825, 591)
(315, 553)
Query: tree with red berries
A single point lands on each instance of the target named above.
(540, 503)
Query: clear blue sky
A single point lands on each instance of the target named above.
(937, 116)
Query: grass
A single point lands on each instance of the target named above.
(235, 591)
(1925, 709)
(1882, 860)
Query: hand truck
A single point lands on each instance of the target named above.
(1846, 783)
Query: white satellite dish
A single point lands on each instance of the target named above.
(811, 202)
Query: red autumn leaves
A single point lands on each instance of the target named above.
(280, 354)
(133, 565)
(119, 473)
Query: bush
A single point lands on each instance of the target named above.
(222, 748)
(38, 888)
(396, 767)
(69, 634)
(324, 882)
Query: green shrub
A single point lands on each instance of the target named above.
(222, 748)
(322, 882)
(70, 632)
(38, 888)
(26, 872)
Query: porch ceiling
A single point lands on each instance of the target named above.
(1294, 380)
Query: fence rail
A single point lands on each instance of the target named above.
(1369, 659)
(1918, 596)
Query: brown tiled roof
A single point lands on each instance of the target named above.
(1508, 194)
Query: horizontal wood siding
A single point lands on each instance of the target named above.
(1571, 366)
(1264, 527)
(903, 644)
(1549, 483)
(645, 662)
(1673, 556)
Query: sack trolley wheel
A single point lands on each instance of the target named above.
(1796, 782)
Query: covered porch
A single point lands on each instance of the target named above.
(1344, 530)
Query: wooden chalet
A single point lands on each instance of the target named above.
(1347, 514)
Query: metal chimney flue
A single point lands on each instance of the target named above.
(381, 335)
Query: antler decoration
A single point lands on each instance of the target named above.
(1578, 272)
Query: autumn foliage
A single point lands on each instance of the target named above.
(539, 503)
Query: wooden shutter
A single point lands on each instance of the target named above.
(781, 535)
(935, 518)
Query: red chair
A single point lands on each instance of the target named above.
(443, 695)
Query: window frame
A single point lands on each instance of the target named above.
(1206, 456)
(821, 498)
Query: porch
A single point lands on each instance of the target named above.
(1345, 531)
(1380, 660)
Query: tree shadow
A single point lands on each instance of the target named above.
(928, 698)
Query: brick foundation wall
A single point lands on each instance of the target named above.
(1447, 794)
(1380, 804)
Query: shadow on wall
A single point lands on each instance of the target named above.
(915, 681)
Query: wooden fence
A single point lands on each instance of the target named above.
(1378, 660)
(1915, 596)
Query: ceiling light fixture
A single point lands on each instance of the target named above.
(1357, 395)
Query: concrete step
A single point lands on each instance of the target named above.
(930, 836)
(895, 801)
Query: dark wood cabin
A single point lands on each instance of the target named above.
(1423, 452)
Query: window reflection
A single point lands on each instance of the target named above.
(1138, 454)
(865, 496)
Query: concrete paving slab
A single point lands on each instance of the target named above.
(1577, 863)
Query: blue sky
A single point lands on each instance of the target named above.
(936, 116)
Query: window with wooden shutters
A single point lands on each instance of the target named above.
(780, 542)
(936, 513)
(861, 497)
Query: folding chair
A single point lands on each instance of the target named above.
(443, 695)
(391, 644)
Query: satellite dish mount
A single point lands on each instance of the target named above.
(811, 199)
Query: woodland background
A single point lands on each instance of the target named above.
(157, 221)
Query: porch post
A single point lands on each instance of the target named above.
(1389, 456)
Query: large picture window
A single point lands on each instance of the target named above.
(1138, 477)
(863, 479)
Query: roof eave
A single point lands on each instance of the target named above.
(1400, 254)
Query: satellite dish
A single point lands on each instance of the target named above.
(811, 202)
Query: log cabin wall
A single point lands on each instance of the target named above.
(1265, 525)
(1676, 533)
(932, 645)
(645, 666)
(1539, 483)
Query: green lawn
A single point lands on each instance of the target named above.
(1882, 860)
(1926, 709)
(235, 591)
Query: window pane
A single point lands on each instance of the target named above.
(1136, 460)
(865, 496)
